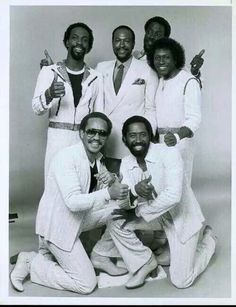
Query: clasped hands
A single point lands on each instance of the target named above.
(145, 191)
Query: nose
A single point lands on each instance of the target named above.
(96, 136)
(122, 43)
(138, 138)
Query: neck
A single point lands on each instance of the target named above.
(74, 64)
(172, 74)
(141, 162)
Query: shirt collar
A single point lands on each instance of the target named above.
(150, 157)
(126, 63)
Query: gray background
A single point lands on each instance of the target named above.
(34, 28)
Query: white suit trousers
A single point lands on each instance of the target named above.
(187, 260)
(73, 270)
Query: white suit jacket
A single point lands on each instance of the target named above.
(135, 97)
(66, 197)
(63, 109)
(165, 165)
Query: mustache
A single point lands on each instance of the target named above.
(139, 144)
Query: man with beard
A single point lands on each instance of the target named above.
(165, 198)
(129, 87)
(77, 197)
(68, 90)
(158, 27)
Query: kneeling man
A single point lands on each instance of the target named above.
(79, 195)
(154, 173)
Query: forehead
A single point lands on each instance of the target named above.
(124, 33)
(155, 26)
(136, 128)
(79, 31)
(163, 51)
(97, 123)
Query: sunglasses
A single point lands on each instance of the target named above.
(92, 132)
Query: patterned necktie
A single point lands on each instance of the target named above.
(118, 79)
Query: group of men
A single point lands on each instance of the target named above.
(107, 163)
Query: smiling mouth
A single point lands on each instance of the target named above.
(78, 49)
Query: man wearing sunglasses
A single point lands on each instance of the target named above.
(79, 196)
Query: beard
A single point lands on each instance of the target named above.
(139, 152)
(78, 55)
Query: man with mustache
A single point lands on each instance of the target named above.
(129, 87)
(158, 27)
(162, 196)
(67, 91)
(79, 195)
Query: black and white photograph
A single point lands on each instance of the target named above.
(117, 152)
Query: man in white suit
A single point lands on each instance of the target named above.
(77, 197)
(129, 88)
(154, 173)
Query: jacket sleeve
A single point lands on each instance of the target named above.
(150, 91)
(68, 179)
(192, 104)
(171, 194)
(44, 81)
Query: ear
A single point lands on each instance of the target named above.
(124, 140)
(67, 44)
(81, 134)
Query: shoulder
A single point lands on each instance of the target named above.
(68, 153)
(101, 66)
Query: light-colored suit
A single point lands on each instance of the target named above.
(175, 208)
(65, 210)
(62, 110)
(135, 97)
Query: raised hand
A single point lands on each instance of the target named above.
(47, 60)
(118, 190)
(145, 189)
(57, 88)
(106, 177)
(170, 139)
(197, 62)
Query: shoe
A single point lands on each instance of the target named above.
(21, 269)
(138, 279)
(104, 264)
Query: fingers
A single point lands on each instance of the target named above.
(170, 139)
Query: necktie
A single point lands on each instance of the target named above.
(118, 79)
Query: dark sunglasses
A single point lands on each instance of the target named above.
(92, 132)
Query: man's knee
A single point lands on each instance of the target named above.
(87, 286)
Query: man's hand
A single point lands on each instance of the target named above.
(47, 60)
(118, 190)
(170, 139)
(197, 62)
(126, 215)
(106, 177)
(145, 189)
(57, 89)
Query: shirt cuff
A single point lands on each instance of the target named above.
(177, 137)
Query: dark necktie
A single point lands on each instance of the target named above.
(93, 183)
(118, 79)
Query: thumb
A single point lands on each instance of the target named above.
(201, 52)
(148, 179)
(49, 59)
(55, 77)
